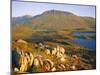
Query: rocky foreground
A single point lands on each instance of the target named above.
(43, 57)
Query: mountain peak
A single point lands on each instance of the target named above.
(28, 16)
(58, 12)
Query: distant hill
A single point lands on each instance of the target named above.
(55, 20)
(90, 21)
(27, 19)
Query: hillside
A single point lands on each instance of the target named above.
(55, 20)
(51, 24)
(21, 20)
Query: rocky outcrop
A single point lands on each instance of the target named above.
(21, 60)
(44, 59)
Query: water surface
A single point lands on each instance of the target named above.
(87, 43)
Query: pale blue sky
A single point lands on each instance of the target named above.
(33, 8)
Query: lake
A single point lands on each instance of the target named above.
(87, 43)
(84, 34)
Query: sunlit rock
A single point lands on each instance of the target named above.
(24, 63)
(60, 67)
(31, 59)
(53, 69)
(48, 64)
(73, 67)
(54, 51)
(62, 50)
(38, 61)
(16, 69)
(47, 51)
(21, 41)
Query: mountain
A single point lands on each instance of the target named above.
(90, 21)
(56, 20)
(22, 19)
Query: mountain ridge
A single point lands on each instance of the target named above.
(56, 19)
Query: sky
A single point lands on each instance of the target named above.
(33, 8)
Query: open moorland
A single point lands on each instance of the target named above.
(53, 41)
